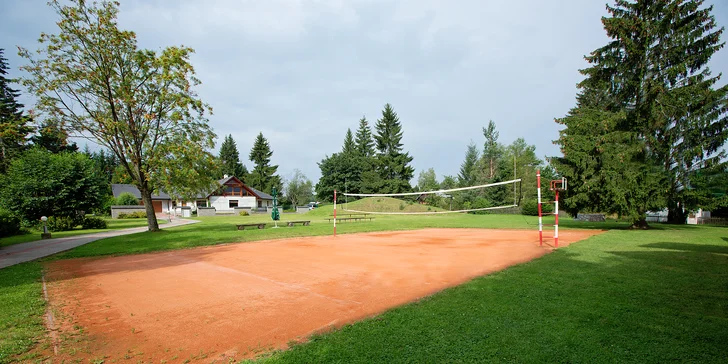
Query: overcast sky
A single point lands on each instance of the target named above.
(303, 71)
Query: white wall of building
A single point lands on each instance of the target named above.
(222, 203)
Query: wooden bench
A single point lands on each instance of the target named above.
(243, 226)
(304, 223)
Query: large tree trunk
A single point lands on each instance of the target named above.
(675, 213)
(152, 223)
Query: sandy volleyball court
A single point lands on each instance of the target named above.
(238, 300)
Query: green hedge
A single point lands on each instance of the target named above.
(133, 215)
(94, 223)
(9, 223)
(530, 208)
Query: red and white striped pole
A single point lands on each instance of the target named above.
(334, 213)
(556, 222)
(540, 219)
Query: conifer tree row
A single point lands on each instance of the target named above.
(648, 113)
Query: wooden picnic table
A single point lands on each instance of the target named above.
(243, 226)
(352, 218)
(302, 222)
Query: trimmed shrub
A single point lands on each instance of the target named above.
(94, 223)
(133, 215)
(61, 223)
(9, 223)
(244, 213)
(127, 199)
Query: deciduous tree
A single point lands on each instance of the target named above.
(41, 183)
(299, 188)
(93, 79)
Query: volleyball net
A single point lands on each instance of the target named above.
(481, 198)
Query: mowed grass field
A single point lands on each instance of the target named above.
(623, 296)
(113, 224)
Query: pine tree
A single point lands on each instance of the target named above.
(263, 177)
(466, 176)
(14, 128)
(230, 158)
(349, 146)
(364, 142)
(53, 137)
(392, 165)
(654, 72)
(492, 150)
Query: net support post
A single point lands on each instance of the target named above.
(540, 216)
(334, 213)
(556, 222)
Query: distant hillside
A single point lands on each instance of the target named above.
(386, 204)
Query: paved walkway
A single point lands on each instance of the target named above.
(25, 252)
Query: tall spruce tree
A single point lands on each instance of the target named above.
(466, 176)
(364, 142)
(392, 164)
(654, 72)
(230, 158)
(14, 128)
(349, 146)
(492, 150)
(263, 177)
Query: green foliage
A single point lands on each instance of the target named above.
(137, 103)
(492, 153)
(61, 223)
(90, 222)
(466, 177)
(530, 207)
(299, 189)
(243, 213)
(653, 78)
(9, 223)
(133, 215)
(127, 199)
(364, 141)
(349, 146)
(14, 128)
(263, 177)
(345, 172)
(41, 183)
(53, 137)
(230, 158)
(392, 165)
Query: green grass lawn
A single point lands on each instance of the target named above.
(623, 296)
(113, 224)
(640, 296)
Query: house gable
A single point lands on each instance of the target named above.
(232, 186)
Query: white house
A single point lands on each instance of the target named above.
(231, 193)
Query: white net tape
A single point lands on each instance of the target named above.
(431, 192)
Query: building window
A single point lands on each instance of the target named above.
(201, 203)
(260, 203)
(233, 203)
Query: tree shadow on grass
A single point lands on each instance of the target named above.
(687, 247)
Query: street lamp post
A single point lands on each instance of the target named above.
(45, 234)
